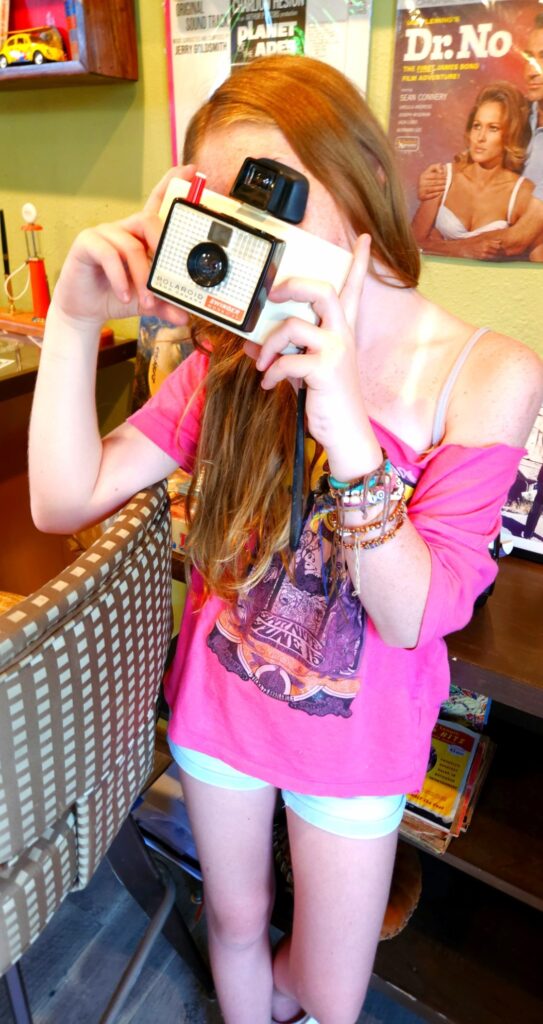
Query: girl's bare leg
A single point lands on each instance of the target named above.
(233, 834)
(340, 895)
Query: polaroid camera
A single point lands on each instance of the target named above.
(219, 256)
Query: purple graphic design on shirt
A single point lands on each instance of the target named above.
(294, 641)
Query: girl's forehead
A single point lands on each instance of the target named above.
(223, 150)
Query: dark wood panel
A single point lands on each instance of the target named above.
(500, 652)
(469, 955)
(20, 380)
(110, 39)
(179, 567)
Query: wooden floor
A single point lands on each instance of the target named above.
(72, 969)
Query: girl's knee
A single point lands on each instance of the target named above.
(239, 923)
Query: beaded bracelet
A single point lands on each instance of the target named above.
(357, 544)
(381, 486)
(384, 478)
(358, 529)
(374, 542)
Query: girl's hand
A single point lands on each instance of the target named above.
(105, 273)
(328, 363)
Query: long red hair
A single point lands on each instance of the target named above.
(244, 461)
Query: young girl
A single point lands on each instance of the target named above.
(319, 674)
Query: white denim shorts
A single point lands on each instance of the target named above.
(355, 817)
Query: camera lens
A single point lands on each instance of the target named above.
(207, 264)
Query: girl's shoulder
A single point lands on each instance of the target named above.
(498, 394)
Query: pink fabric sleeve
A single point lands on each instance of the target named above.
(456, 508)
(171, 418)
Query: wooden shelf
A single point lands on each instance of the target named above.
(469, 955)
(503, 846)
(20, 380)
(500, 652)
(103, 45)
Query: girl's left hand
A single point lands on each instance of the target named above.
(328, 363)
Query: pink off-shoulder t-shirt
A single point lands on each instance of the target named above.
(293, 684)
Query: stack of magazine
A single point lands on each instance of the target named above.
(460, 757)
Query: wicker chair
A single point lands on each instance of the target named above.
(81, 662)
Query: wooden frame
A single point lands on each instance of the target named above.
(103, 41)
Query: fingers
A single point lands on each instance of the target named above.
(251, 349)
(291, 332)
(432, 182)
(94, 249)
(156, 196)
(133, 254)
(319, 294)
(297, 366)
(120, 252)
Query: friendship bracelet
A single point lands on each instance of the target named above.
(368, 484)
(357, 543)
(382, 486)
(374, 542)
(357, 529)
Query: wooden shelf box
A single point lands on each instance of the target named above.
(100, 40)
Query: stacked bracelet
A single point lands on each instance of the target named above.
(383, 486)
(396, 519)
(358, 530)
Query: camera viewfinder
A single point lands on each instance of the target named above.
(274, 187)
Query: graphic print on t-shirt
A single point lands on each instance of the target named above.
(295, 634)
(293, 642)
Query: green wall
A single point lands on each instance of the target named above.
(85, 154)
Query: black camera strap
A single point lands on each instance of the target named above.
(297, 495)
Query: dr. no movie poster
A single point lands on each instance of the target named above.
(467, 126)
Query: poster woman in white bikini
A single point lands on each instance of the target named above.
(484, 192)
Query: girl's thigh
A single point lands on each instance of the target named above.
(341, 889)
(233, 834)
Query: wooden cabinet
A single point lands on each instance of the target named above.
(101, 42)
(28, 557)
(471, 953)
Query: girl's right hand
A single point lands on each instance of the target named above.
(104, 276)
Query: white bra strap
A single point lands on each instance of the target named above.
(513, 198)
(448, 181)
(438, 428)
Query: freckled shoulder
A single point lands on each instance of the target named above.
(497, 395)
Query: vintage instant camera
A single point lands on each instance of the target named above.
(220, 257)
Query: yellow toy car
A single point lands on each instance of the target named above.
(34, 46)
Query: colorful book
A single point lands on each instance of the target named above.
(467, 707)
(452, 751)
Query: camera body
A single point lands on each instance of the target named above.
(219, 260)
